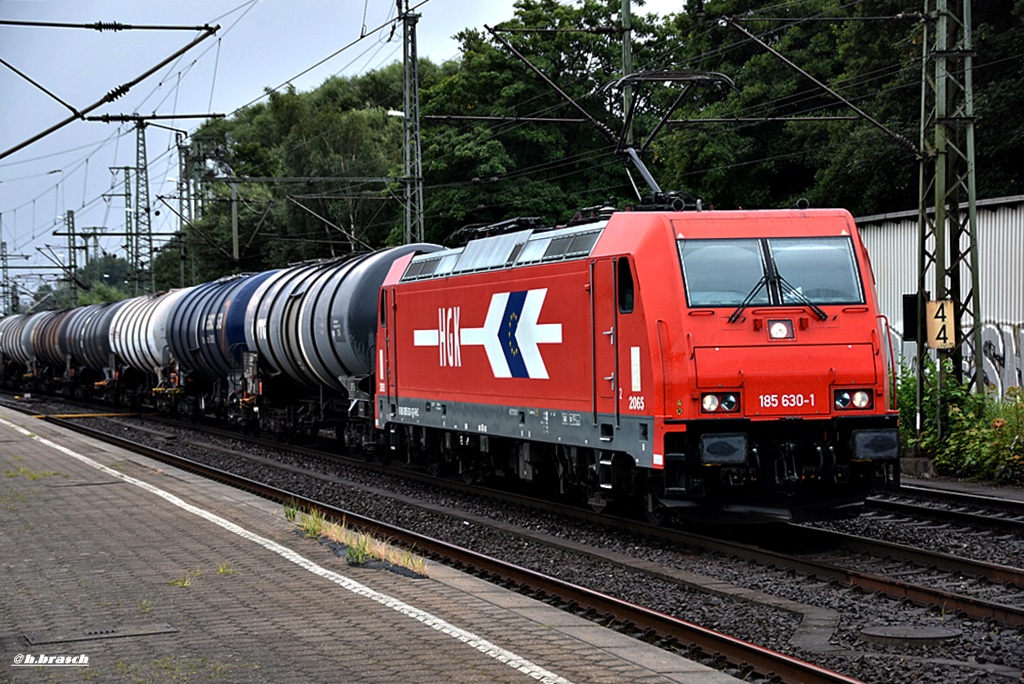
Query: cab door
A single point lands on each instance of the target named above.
(604, 341)
(387, 357)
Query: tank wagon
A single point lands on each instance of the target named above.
(309, 356)
(721, 365)
(67, 352)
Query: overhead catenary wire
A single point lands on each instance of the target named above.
(115, 137)
(521, 172)
(111, 96)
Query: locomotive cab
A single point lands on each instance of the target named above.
(786, 370)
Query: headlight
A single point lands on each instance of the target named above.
(853, 399)
(725, 402)
(780, 329)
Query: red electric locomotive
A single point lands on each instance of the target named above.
(723, 365)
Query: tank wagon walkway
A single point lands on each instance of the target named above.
(97, 544)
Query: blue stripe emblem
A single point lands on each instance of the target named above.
(507, 334)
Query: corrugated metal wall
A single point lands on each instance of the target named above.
(891, 240)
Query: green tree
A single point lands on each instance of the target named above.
(762, 144)
(305, 160)
(870, 52)
(103, 278)
(483, 171)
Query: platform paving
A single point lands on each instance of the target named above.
(93, 565)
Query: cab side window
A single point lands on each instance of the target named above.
(624, 277)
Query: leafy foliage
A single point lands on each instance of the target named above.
(103, 278)
(979, 438)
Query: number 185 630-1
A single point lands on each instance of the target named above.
(786, 400)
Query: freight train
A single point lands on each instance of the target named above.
(719, 365)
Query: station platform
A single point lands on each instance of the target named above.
(117, 568)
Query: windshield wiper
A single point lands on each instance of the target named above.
(786, 288)
(749, 298)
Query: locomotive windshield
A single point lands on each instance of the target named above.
(770, 271)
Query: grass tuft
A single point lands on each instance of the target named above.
(291, 510)
(361, 548)
(186, 579)
(312, 523)
(22, 471)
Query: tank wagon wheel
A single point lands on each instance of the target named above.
(250, 427)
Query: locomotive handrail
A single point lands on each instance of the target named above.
(891, 359)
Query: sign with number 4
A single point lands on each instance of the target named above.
(940, 319)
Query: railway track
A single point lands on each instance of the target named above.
(750, 660)
(954, 507)
(978, 589)
(928, 578)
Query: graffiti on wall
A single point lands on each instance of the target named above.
(1002, 354)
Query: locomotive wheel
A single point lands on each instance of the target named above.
(435, 463)
(655, 513)
(596, 499)
(469, 471)
(434, 467)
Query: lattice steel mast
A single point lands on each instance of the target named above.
(413, 180)
(948, 234)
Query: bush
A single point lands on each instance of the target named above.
(1008, 429)
(980, 439)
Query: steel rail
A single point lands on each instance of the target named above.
(1008, 505)
(958, 516)
(993, 572)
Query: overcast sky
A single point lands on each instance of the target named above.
(261, 44)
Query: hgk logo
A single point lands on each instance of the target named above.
(510, 335)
